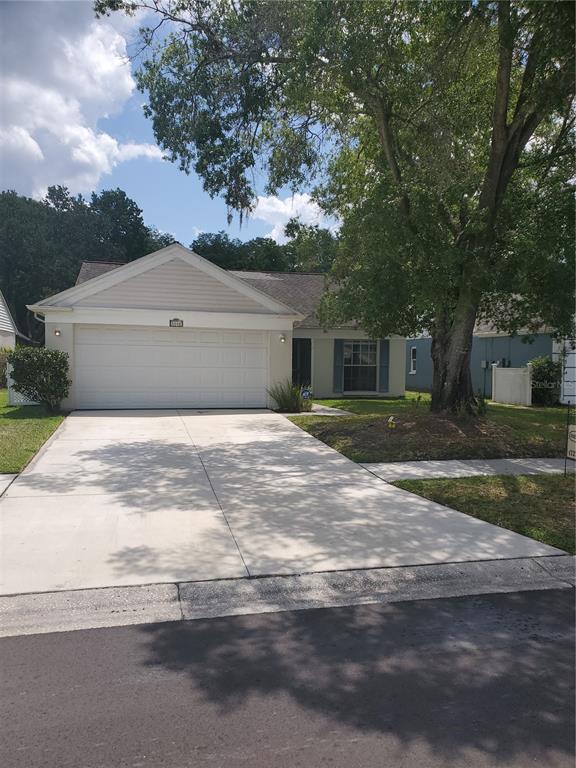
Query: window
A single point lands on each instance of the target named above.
(360, 366)
(412, 359)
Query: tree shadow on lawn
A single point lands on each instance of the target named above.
(489, 676)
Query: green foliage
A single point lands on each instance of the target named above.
(259, 254)
(288, 397)
(40, 375)
(42, 243)
(308, 249)
(4, 352)
(481, 404)
(442, 134)
(546, 380)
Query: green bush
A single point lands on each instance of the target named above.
(289, 397)
(546, 378)
(4, 352)
(40, 374)
(481, 404)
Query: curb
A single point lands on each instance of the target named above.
(122, 606)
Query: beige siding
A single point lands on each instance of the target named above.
(65, 343)
(280, 360)
(323, 359)
(173, 285)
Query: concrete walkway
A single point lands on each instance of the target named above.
(428, 470)
(146, 497)
(322, 410)
(5, 481)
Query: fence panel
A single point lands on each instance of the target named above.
(512, 385)
(15, 398)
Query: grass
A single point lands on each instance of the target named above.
(505, 432)
(23, 430)
(539, 506)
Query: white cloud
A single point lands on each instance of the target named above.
(278, 212)
(62, 71)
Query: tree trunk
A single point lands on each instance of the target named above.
(452, 389)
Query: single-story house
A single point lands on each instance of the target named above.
(171, 329)
(8, 330)
(488, 346)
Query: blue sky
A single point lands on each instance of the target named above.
(171, 200)
(70, 114)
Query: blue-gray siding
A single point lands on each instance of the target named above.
(513, 350)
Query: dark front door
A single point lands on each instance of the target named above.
(302, 361)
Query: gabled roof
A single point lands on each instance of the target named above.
(6, 320)
(301, 291)
(101, 276)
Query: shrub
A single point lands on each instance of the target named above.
(289, 397)
(4, 352)
(546, 378)
(40, 374)
(481, 404)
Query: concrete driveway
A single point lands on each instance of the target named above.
(137, 497)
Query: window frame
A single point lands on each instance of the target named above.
(375, 365)
(413, 360)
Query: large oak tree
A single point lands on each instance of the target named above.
(440, 134)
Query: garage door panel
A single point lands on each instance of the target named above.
(125, 367)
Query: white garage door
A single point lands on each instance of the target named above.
(140, 367)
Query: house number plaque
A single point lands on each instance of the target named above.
(176, 323)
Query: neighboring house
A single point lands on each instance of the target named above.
(8, 330)
(174, 330)
(488, 346)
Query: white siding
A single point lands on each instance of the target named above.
(174, 285)
(7, 339)
(6, 323)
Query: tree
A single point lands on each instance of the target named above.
(124, 225)
(429, 122)
(259, 254)
(311, 248)
(43, 243)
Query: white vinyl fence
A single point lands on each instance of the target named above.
(512, 385)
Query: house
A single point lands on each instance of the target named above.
(488, 346)
(171, 329)
(8, 330)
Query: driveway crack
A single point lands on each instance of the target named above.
(234, 539)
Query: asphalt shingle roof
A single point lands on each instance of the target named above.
(90, 269)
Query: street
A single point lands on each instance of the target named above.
(471, 681)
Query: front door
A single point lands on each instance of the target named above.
(302, 362)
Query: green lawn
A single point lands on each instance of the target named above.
(539, 506)
(23, 429)
(505, 431)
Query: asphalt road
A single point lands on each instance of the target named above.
(470, 681)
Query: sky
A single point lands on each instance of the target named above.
(70, 114)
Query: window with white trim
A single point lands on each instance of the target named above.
(412, 359)
(360, 366)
